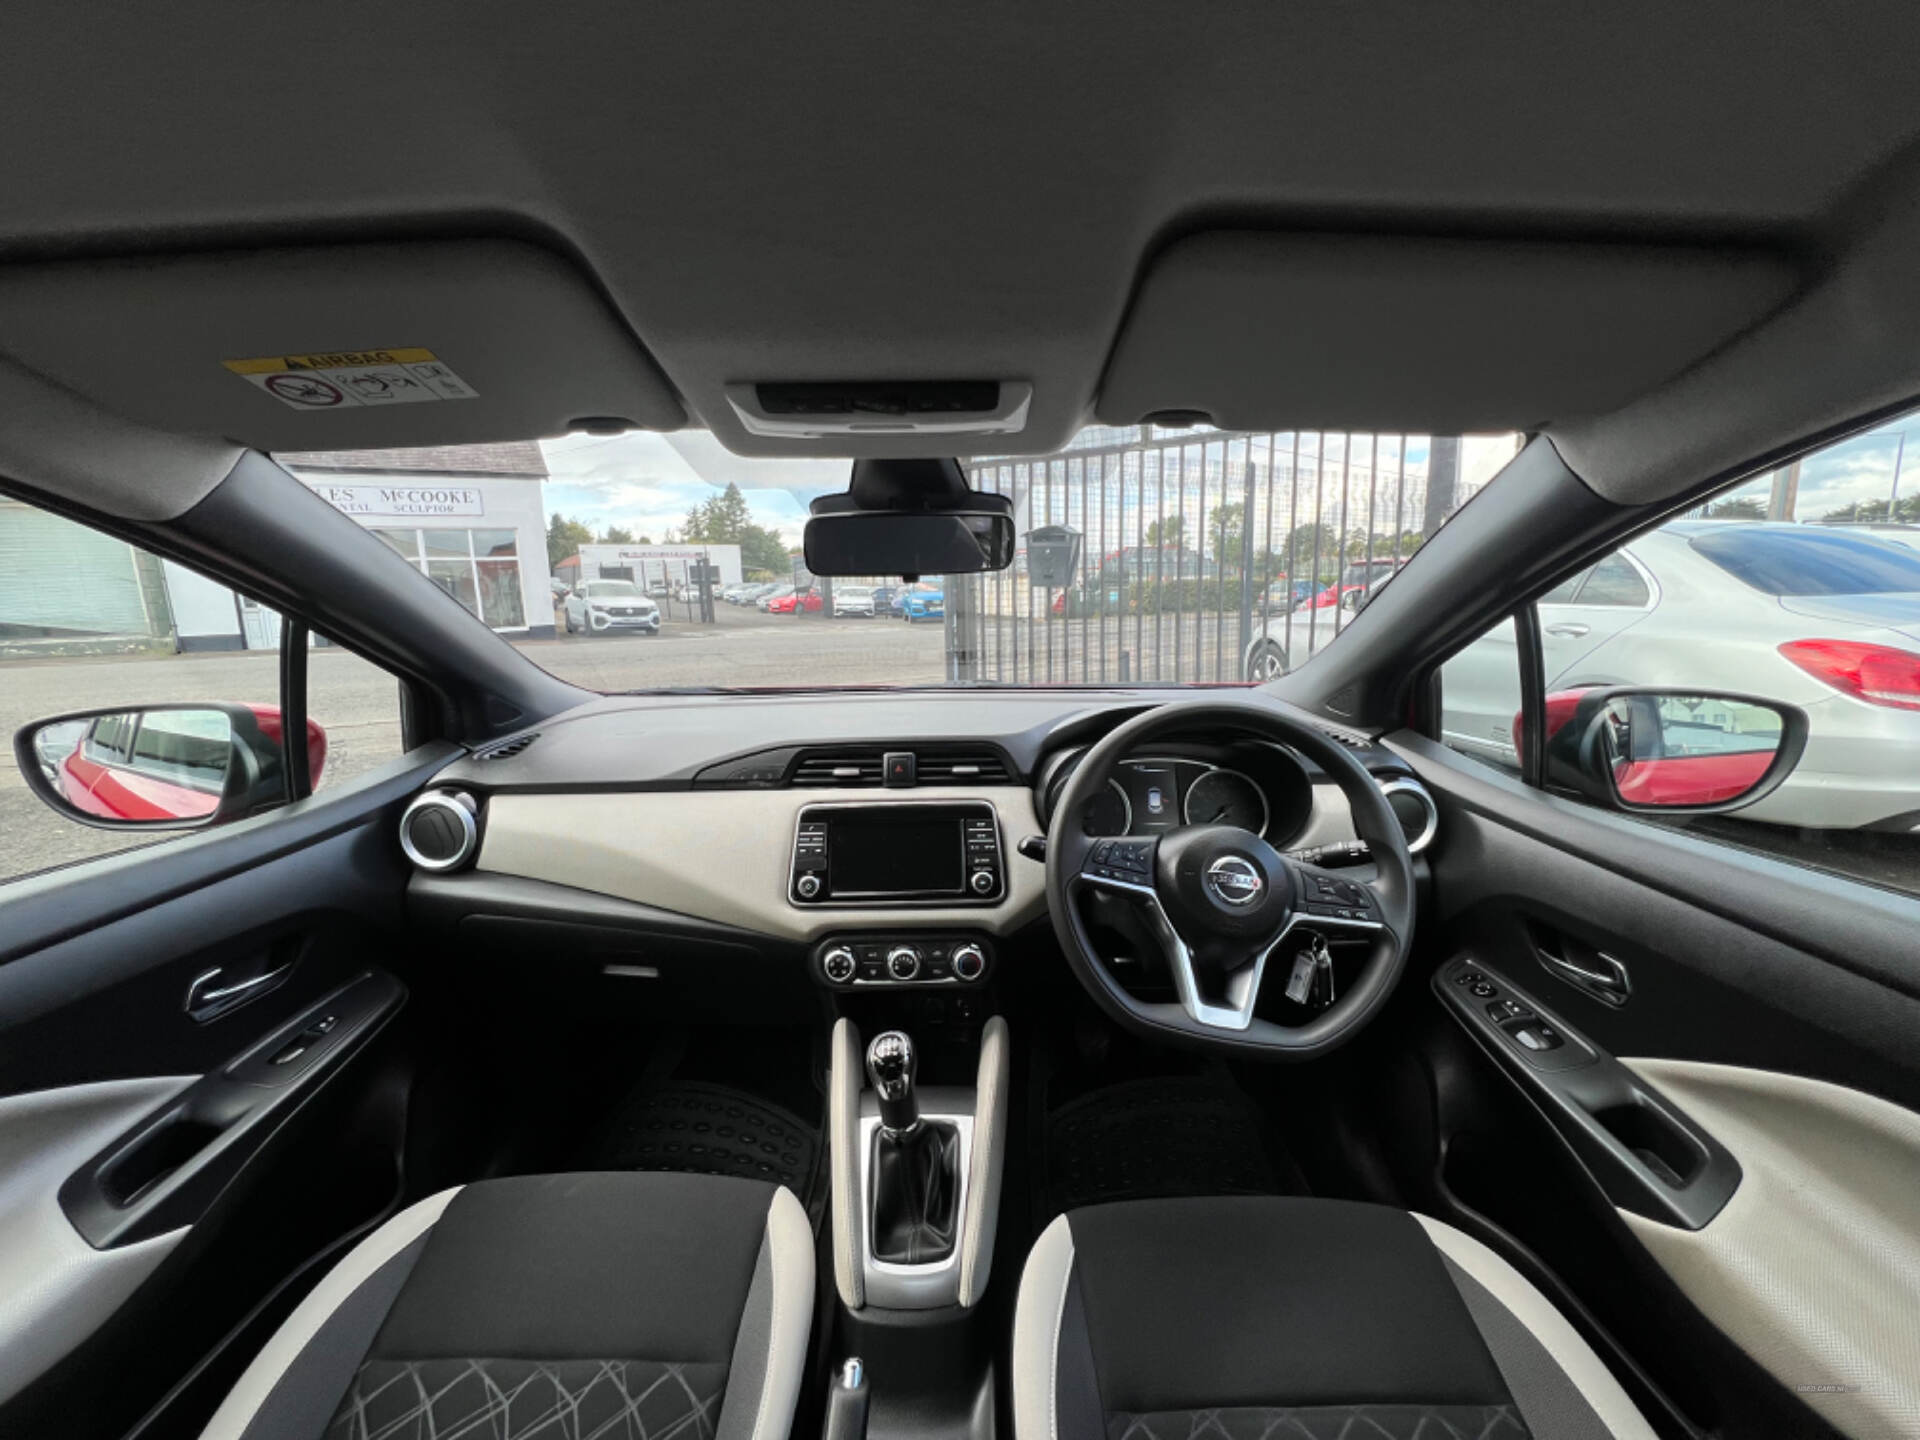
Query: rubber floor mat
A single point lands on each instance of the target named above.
(712, 1130)
(1145, 1139)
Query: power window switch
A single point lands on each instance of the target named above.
(1500, 1011)
(1537, 1036)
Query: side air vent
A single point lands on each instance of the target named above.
(438, 831)
(506, 749)
(1413, 807)
(841, 768)
(1344, 737)
(962, 767)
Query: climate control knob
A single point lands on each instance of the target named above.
(837, 964)
(982, 882)
(903, 963)
(969, 962)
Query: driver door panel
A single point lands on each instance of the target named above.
(1754, 1021)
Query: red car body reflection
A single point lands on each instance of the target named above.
(121, 789)
(791, 604)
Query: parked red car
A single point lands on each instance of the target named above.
(794, 603)
(173, 764)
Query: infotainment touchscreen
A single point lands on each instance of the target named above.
(880, 854)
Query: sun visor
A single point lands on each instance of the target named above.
(1260, 331)
(338, 347)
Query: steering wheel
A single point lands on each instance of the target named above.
(1221, 902)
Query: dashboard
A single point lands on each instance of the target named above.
(691, 836)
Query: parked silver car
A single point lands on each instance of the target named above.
(1823, 618)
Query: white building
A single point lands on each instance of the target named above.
(662, 569)
(472, 518)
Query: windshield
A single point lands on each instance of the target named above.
(1143, 555)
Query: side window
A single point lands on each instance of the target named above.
(1480, 698)
(1787, 604)
(1614, 581)
(169, 685)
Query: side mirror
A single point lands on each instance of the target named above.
(164, 767)
(1670, 751)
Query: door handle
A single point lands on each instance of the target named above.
(208, 1000)
(1568, 629)
(1604, 978)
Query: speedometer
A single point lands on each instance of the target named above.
(1226, 797)
(1107, 813)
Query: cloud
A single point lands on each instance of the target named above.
(647, 482)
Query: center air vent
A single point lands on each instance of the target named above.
(962, 767)
(863, 766)
(842, 768)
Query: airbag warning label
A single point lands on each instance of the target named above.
(337, 379)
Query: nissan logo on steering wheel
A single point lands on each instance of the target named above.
(1234, 881)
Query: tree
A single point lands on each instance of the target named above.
(564, 538)
(762, 549)
(1741, 507)
(1302, 545)
(616, 535)
(1165, 531)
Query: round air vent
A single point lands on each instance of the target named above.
(438, 831)
(1413, 807)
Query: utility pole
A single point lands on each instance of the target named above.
(1443, 479)
(1786, 490)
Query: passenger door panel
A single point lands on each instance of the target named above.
(160, 1173)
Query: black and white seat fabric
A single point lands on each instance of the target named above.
(1290, 1319)
(618, 1306)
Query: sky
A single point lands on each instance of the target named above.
(1858, 469)
(647, 482)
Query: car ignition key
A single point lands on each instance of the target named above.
(1311, 982)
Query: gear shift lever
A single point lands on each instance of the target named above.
(891, 1066)
(914, 1204)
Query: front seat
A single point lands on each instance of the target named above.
(622, 1306)
(1254, 1318)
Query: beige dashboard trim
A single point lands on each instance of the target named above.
(1813, 1267)
(723, 855)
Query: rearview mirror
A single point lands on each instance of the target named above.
(1671, 751)
(897, 543)
(163, 767)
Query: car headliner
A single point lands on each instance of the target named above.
(985, 191)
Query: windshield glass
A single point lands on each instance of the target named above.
(1143, 556)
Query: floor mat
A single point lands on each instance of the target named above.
(711, 1130)
(1166, 1136)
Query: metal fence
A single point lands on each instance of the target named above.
(1203, 555)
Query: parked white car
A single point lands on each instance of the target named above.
(853, 600)
(1824, 618)
(599, 606)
